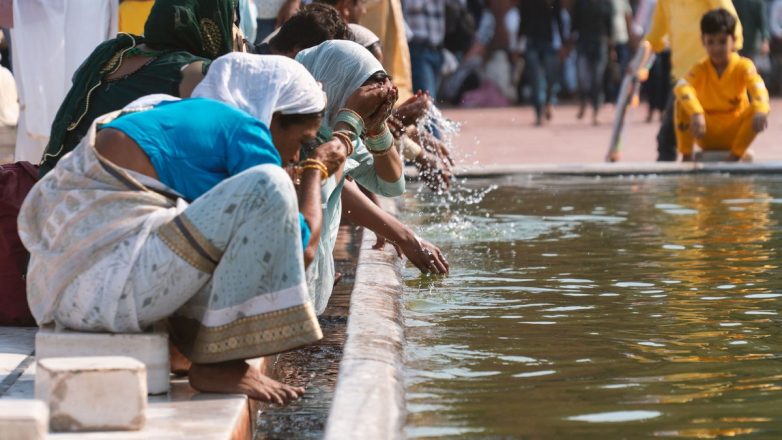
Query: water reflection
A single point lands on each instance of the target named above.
(579, 298)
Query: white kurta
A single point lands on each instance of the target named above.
(50, 39)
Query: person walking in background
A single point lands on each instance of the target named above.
(675, 25)
(592, 32)
(426, 19)
(753, 15)
(541, 26)
(657, 87)
(621, 51)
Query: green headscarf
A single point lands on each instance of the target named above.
(203, 28)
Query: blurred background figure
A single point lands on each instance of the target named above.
(385, 18)
(657, 88)
(50, 39)
(591, 34)
(543, 33)
(271, 15)
(753, 15)
(133, 14)
(426, 20)
(621, 50)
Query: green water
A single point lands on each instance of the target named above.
(599, 309)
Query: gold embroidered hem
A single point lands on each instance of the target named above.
(246, 338)
(188, 243)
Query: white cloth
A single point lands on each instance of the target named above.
(269, 8)
(342, 67)
(50, 39)
(9, 101)
(262, 85)
(362, 35)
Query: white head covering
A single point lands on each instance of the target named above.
(262, 85)
(341, 66)
(363, 35)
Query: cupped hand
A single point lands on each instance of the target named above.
(366, 100)
(698, 126)
(415, 108)
(332, 153)
(759, 122)
(426, 257)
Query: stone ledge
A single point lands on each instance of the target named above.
(369, 400)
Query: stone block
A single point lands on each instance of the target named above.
(23, 419)
(149, 348)
(100, 393)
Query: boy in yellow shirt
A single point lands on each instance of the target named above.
(713, 108)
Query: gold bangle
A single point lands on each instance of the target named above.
(345, 141)
(309, 163)
(323, 173)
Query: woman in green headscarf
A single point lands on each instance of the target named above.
(180, 38)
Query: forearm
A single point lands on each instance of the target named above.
(389, 167)
(360, 210)
(311, 208)
(688, 98)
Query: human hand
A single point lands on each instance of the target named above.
(439, 148)
(689, 157)
(433, 172)
(332, 153)
(376, 120)
(698, 125)
(287, 10)
(425, 256)
(759, 122)
(732, 158)
(410, 111)
(366, 100)
(380, 243)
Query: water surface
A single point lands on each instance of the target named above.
(599, 308)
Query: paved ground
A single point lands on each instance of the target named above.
(506, 136)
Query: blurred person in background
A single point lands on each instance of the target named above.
(753, 15)
(385, 19)
(657, 87)
(426, 20)
(541, 27)
(272, 14)
(592, 32)
(621, 50)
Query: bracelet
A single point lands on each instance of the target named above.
(381, 142)
(382, 153)
(345, 138)
(351, 118)
(314, 164)
(411, 149)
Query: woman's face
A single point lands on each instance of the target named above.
(291, 137)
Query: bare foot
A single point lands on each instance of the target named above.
(549, 112)
(581, 111)
(237, 377)
(180, 365)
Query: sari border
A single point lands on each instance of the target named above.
(175, 238)
(247, 337)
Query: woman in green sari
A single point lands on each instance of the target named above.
(180, 39)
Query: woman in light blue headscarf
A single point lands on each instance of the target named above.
(350, 74)
(347, 71)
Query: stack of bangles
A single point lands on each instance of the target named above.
(353, 120)
(380, 144)
(344, 137)
(315, 164)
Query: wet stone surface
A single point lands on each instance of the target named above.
(315, 367)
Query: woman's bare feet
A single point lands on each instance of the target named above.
(180, 365)
(238, 377)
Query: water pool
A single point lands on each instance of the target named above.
(599, 308)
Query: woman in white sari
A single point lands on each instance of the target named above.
(181, 211)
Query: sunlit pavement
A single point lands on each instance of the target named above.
(507, 136)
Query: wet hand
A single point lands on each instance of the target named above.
(410, 111)
(377, 119)
(332, 153)
(698, 125)
(434, 173)
(759, 122)
(426, 257)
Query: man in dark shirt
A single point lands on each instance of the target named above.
(591, 32)
(541, 25)
(754, 20)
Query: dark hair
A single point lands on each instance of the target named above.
(288, 120)
(377, 77)
(312, 25)
(718, 21)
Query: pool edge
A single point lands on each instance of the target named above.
(369, 399)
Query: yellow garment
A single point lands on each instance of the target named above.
(724, 100)
(679, 21)
(385, 19)
(133, 14)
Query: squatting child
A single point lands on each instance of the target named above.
(722, 104)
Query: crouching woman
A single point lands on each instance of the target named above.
(181, 212)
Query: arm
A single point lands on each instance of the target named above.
(310, 207)
(361, 211)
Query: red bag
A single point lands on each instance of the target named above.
(16, 179)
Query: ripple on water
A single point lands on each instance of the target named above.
(535, 373)
(616, 416)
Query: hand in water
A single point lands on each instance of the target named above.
(415, 108)
(426, 257)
